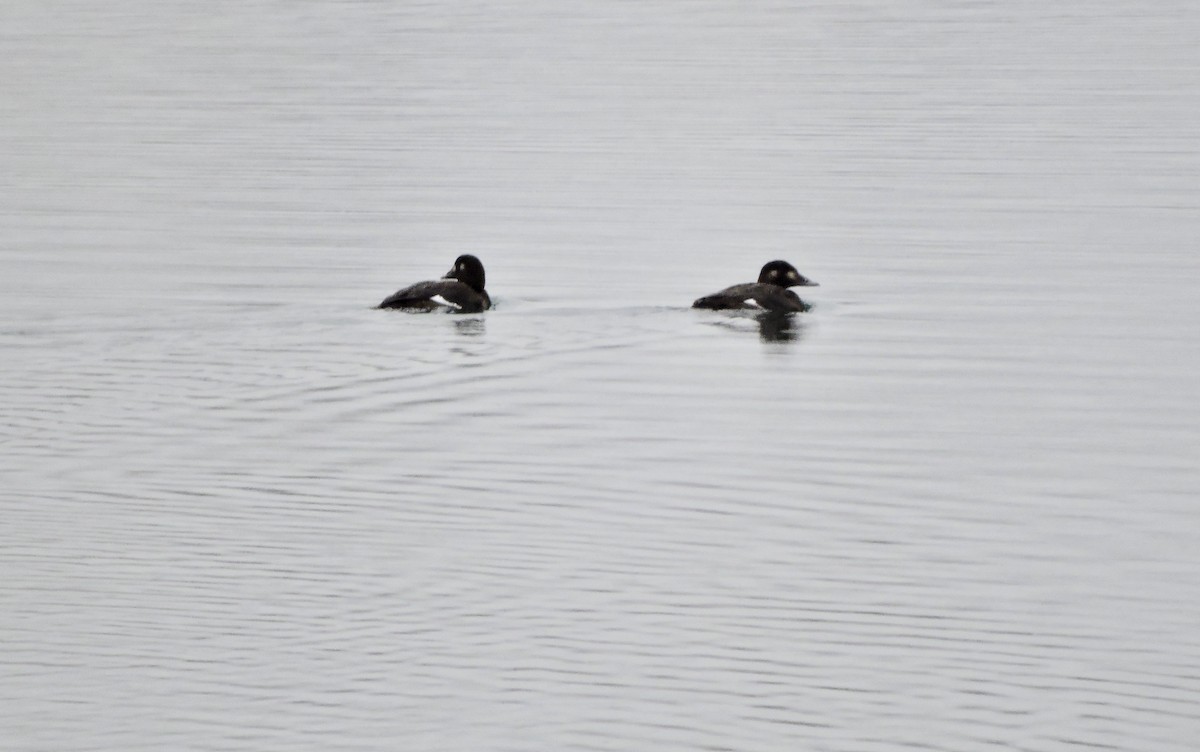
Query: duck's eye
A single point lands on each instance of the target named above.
(462, 267)
(774, 273)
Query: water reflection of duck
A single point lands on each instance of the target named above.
(770, 292)
(461, 290)
(777, 326)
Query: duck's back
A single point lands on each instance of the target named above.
(422, 296)
(767, 296)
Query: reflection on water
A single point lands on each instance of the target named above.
(774, 326)
(473, 326)
(950, 508)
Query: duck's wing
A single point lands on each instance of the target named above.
(426, 294)
(734, 296)
(415, 295)
(775, 298)
(753, 295)
(464, 297)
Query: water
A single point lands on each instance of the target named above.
(951, 508)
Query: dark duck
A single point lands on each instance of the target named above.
(769, 293)
(460, 290)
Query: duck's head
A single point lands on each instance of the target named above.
(783, 274)
(468, 270)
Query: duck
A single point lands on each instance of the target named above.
(460, 290)
(769, 293)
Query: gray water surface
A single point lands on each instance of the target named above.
(953, 507)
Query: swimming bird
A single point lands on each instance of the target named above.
(460, 290)
(770, 292)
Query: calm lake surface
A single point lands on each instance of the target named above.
(954, 507)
